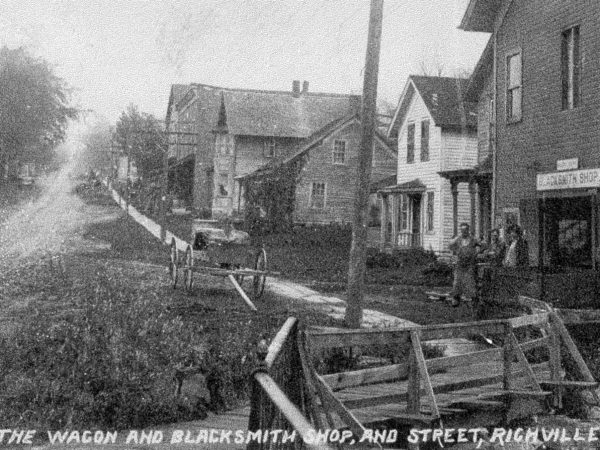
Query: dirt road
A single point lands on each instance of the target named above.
(50, 225)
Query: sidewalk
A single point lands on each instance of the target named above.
(332, 306)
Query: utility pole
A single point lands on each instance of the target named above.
(358, 252)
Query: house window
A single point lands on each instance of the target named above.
(425, 140)
(514, 89)
(317, 195)
(223, 185)
(430, 209)
(570, 68)
(403, 212)
(270, 150)
(224, 145)
(339, 151)
(410, 143)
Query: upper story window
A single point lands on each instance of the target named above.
(425, 140)
(339, 151)
(410, 143)
(514, 88)
(224, 144)
(317, 195)
(570, 68)
(270, 150)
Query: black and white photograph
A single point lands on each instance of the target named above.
(300, 224)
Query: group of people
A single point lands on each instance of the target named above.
(468, 251)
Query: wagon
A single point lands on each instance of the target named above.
(221, 250)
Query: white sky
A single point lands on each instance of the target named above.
(116, 52)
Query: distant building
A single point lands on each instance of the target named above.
(326, 188)
(435, 131)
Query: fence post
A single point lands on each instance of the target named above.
(256, 419)
(507, 355)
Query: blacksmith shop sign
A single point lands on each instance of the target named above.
(572, 179)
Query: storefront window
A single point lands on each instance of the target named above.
(568, 231)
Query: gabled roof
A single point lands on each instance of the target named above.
(177, 92)
(315, 140)
(483, 71)
(481, 15)
(282, 114)
(444, 99)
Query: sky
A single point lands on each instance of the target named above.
(116, 52)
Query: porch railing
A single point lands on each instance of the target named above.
(408, 240)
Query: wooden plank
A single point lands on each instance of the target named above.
(531, 319)
(534, 304)
(238, 288)
(515, 393)
(569, 384)
(416, 344)
(523, 360)
(289, 410)
(573, 316)
(318, 340)
(507, 356)
(464, 360)
(344, 380)
(540, 342)
(218, 271)
(412, 418)
(568, 341)
(338, 407)
(461, 330)
(311, 391)
(413, 397)
(277, 343)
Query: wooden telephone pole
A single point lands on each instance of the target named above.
(358, 252)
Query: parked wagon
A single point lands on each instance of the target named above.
(221, 250)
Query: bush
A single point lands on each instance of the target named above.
(399, 258)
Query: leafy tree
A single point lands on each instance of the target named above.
(97, 151)
(141, 136)
(34, 107)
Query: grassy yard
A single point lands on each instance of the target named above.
(94, 338)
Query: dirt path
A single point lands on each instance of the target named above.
(52, 224)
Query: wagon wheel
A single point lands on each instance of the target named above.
(188, 268)
(258, 281)
(173, 263)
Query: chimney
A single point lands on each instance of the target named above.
(296, 88)
(305, 87)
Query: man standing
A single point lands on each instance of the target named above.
(517, 253)
(465, 248)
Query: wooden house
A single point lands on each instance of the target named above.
(537, 81)
(326, 187)
(436, 134)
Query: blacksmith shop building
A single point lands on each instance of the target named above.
(539, 81)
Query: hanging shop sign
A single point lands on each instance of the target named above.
(572, 179)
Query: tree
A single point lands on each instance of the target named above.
(34, 108)
(97, 152)
(141, 136)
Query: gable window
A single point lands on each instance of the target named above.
(410, 143)
(317, 195)
(270, 150)
(425, 140)
(514, 88)
(339, 151)
(570, 68)
(430, 209)
(224, 144)
(223, 185)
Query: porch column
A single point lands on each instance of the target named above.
(454, 189)
(384, 220)
(473, 195)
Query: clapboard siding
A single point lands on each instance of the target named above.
(447, 150)
(340, 179)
